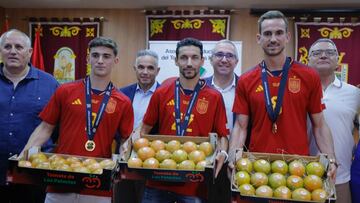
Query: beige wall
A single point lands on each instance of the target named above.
(127, 27)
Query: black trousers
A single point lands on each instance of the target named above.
(17, 193)
(129, 191)
(220, 191)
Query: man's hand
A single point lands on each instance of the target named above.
(124, 148)
(220, 159)
(332, 172)
(230, 169)
(136, 133)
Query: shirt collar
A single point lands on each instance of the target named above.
(231, 85)
(32, 74)
(152, 88)
(337, 82)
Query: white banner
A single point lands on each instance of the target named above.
(166, 52)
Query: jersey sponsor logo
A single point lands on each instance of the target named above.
(170, 103)
(111, 106)
(259, 88)
(294, 85)
(202, 106)
(76, 102)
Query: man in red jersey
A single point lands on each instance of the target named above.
(89, 113)
(186, 106)
(278, 94)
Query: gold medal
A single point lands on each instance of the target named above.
(90, 145)
(274, 128)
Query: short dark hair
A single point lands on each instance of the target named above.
(189, 42)
(273, 14)
(104, 42)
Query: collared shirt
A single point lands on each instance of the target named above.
(228, 94)
(19, 111)
(140, 103)
(342, 103)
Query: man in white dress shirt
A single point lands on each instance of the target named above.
(224, 59)
(342, 103)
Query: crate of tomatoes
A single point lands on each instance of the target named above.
(266, 177)
(170, 158)
(62, 170)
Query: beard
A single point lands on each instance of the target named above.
(189, 74)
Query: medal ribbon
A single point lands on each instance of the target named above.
(273, 114)
(182, 126)
(91, 130)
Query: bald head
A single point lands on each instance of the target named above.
(27, 41)
(15, 50)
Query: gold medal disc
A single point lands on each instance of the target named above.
(90, 145)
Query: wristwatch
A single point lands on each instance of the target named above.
(333, 161)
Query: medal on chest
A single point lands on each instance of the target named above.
(274, 112)
(90, 145)
(90, 127)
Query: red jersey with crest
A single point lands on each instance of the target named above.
(208, 115)
(67, 107)
(302, 96)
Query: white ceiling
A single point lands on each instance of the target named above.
(161, 4)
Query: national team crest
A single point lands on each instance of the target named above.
(202, 106)
(111, 105)
(294, 85)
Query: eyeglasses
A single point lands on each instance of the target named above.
(228, 56)
(328, 52)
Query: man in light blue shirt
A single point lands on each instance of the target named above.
(141, 101)
(146, 69)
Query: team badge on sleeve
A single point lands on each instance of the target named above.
(294, 85)
(202, 106)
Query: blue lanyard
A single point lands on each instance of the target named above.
(273, 114)
(91, 130)
(182, 126)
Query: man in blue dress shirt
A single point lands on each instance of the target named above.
(146, 69)
(24, 91)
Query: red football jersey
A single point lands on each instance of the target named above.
(302, 96)
(208, 115)
(67, 107)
